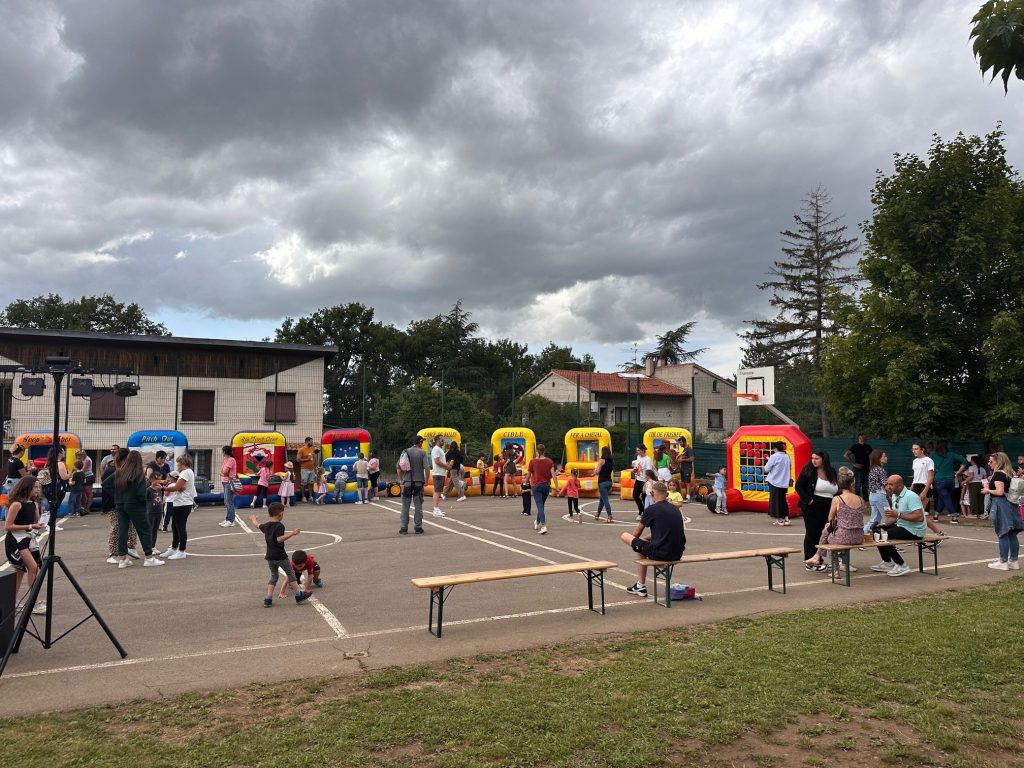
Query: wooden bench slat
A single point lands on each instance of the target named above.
(931, 538)
(433, 582)
(715, 556)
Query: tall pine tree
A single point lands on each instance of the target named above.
(812, 304)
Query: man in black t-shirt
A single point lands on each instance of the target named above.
(859, 455)
(666, 541)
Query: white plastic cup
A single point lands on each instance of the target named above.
(885, 535)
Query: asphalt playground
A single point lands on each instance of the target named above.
(199, 623)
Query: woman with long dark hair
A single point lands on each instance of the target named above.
(816, 486)
(131, 499)
(21, 524)
(115, 526)
(603, 471)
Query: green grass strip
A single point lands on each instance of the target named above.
(933, 680)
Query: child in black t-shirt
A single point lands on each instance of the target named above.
(276, 557)
(527, 495)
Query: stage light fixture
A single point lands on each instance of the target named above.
(81, 387)
(32, 386)
(126, 389)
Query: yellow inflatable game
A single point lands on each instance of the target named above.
(522, 441)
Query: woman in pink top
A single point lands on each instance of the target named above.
(541, 469)
(845, 523)
(228, 473)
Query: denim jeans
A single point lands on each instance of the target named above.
(944, 492)
(1009, 546)
(541, 491)
(604, 502)
(229, 502)
(74, 502)
(878, 504)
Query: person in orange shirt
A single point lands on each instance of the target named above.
(306, 456)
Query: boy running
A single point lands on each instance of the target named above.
(276, 557)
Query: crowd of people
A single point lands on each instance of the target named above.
(142, 501)
(833, 503)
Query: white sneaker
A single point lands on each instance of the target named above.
(998, 565)
(536, 525)
(113, 560)
(438, 513)
(224, 524)
(461, 498)
(543, 530)
(167, 553)
(124, 564)
(133, 554)
(1013, 565)
(39, 607)
(900, 570)
(883, 567)
(176, 555)
(442, 497)
(151, 561)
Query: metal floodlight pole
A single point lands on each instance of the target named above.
(57, 368)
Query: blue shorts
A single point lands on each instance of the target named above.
(362, 482)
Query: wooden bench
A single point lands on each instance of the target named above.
(441, 586)
(774, 557)
(841, 553)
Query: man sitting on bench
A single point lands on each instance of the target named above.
(904, 522)
(666, 541)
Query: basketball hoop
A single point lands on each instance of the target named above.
(752, 396)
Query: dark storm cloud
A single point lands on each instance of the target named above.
(583, 171)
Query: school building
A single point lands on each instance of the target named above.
(208, 389)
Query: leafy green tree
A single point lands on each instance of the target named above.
(361, 342)
(942, 266)
(671, 346)
(405, 411)
(103, 314)
(549, 421)
(809, 293)
(998, 34)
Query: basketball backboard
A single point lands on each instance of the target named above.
(758, 383)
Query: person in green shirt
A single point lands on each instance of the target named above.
(946, 465)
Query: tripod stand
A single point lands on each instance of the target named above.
(58, 367)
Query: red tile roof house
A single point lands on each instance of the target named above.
(685, 395)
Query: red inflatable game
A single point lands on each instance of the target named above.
(747, 451)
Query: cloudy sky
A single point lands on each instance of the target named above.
(588, 172)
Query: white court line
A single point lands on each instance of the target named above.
(330, 618)
(471, 536)
(417, 628)
(242, 525)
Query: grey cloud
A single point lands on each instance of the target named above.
(408, 154)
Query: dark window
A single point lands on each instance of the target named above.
(714, 385)
(197, 405)
(622, 415)
(104, 405)
(716, 419)
(285, 402)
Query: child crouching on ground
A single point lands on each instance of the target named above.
(307, 572)
(276, 557)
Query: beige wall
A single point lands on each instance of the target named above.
(239, 405)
